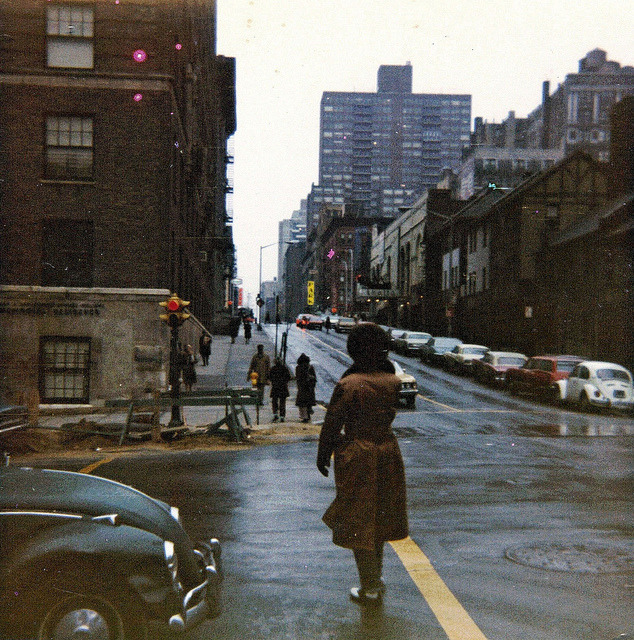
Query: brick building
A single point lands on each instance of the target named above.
(114, 119)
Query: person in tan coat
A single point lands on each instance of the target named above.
(370, 506)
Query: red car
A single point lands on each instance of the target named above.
(493, 367)
(539, 375)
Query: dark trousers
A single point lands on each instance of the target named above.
(279, 405)
(370, 567)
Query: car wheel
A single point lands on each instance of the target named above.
(514, 388)
(584, 403)
(65, 615)
(411, 402)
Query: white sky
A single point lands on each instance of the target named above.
(288, 52)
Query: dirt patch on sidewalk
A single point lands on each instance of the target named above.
(34, 442)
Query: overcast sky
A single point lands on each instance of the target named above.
(288, 52)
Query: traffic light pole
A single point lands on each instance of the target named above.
(176, 420)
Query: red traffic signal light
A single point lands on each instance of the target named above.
(176, 311)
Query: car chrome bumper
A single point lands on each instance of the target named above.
(206, 595)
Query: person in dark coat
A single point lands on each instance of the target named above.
(280, 376)
(370, 506)
(261, 365)
(189, 367)
(306, 382)
(247, 331)
(204, 348)
(234, 328)
(328, 324)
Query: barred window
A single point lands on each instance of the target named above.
(69, 147)
(69, 31)
(64, 369)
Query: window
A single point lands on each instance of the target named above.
(67, 253)
(64, 369)
(69, 36)
(69, 148)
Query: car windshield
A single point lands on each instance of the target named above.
(418, 336)
(475, 350)
(397, 368)
(510, 361)
(613, 374)
(566, 365)
(445, 343)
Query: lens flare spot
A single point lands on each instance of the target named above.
(139, 55)
(138, 97)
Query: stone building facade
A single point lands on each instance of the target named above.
(114, 119)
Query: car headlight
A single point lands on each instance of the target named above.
(171, 560)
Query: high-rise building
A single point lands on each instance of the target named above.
(385, 149)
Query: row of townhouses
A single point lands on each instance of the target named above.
(523, 244)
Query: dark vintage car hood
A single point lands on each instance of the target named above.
(25, 488)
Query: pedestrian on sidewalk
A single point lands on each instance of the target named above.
(370, 506)
(234, 328)
(260, 364)
(280, 377)
(247, 331)
(204, 348)
(189, 367)
(306, 382)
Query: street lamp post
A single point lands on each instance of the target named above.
(265, 246)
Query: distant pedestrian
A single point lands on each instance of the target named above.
(306, 382)
(328, 324)
(280, 377)
(247, 331)
(204, 348)
(189, 367)
(260, 364)
(234, 328)
(370, 505)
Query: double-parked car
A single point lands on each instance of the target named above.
(85, 557)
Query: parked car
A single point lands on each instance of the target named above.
(493, 367)
(409, 386)
(598, 384)
(410, 342)
(83, 556)
(540, 373)
(310, 321)
(345, 325)
(433, 351)
(461, 358)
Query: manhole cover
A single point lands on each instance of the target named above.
(580, 558)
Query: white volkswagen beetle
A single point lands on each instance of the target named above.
(598, 384)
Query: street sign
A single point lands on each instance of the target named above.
(311, 293)
(236, 281)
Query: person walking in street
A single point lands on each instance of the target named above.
(280, 377)
(328, 324)
(370, 505)
(261, 365)
(204, 348)
(247, 331)
(306, 382)
(189, 367)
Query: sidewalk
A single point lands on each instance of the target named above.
(228, 365)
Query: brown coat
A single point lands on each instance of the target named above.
(370, 504)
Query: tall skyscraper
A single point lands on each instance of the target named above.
(385, 149)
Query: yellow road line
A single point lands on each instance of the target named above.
(452, 617)
(91, 467)
(440, 404)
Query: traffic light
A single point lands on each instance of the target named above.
(176, 311)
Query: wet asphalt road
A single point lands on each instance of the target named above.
(521, 518)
